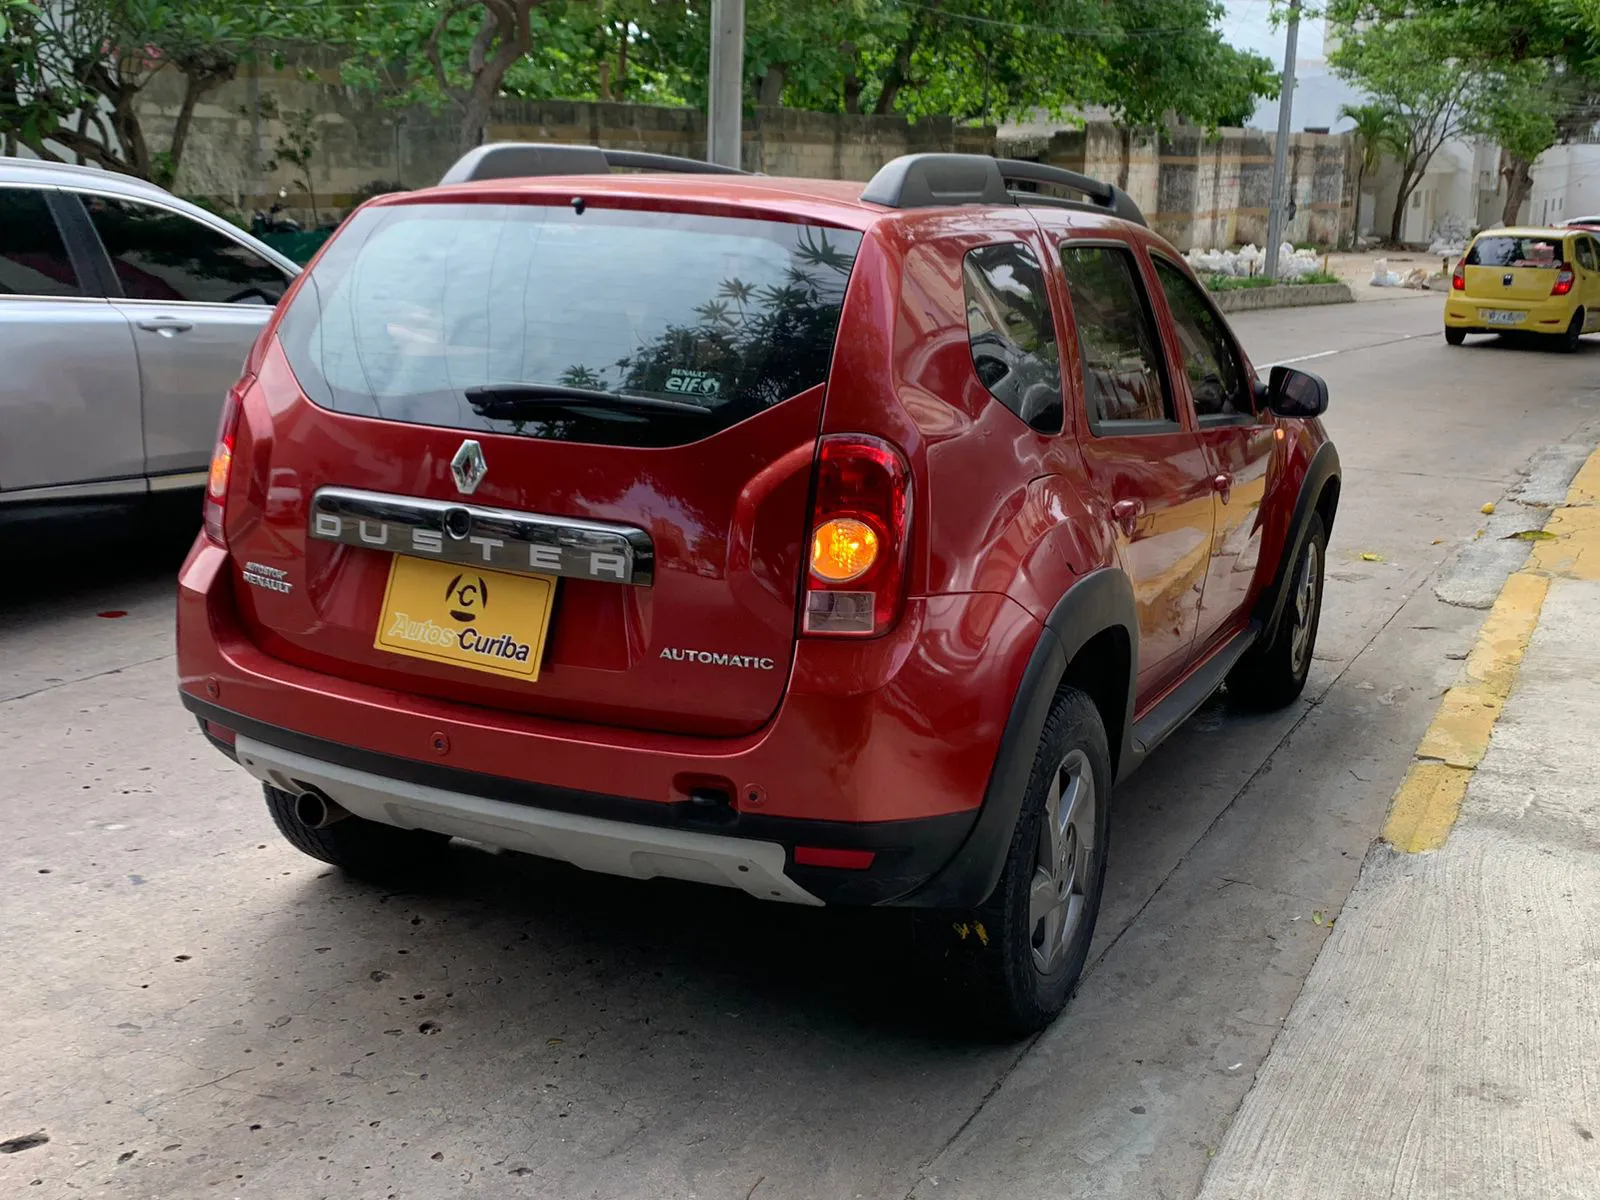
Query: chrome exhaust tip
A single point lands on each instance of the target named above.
(317, 811)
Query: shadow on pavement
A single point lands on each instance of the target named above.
(77, 560)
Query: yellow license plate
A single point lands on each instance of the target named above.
(483, 620)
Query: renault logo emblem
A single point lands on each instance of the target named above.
(468, 467)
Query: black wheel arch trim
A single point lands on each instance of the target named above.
(1101, 600)
(1324, 468)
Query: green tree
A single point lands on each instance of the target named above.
(1377, 132)
(297, 148)
(1404, 68)
(1530, 68)
(72, 71)
(971, 59)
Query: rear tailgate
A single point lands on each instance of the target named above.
(654, 550)
(1513, 267)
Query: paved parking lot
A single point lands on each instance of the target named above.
(194, 1009)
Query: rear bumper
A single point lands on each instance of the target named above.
(1551, 316)
(885, 746)
(609, 834)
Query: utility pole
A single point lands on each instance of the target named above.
(1280, 151)
(725, 112)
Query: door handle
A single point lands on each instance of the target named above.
(1126, 513)
(166, 326)
(1224, 486)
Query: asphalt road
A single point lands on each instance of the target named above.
(193, 1009)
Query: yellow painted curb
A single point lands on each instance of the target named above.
(1585, 486)
(1425, 806)
(1460, 731)
(1575, 550)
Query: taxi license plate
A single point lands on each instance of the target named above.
(482, 620)
(1502, 316)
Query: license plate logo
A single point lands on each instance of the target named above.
(479, 619)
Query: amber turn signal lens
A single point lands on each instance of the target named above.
(843, 549)
(221, 468)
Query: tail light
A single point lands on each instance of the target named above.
(859, 538)
(1458, 281)
(1564, 280)
(216, 501)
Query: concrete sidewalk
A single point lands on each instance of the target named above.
(1447, 1042)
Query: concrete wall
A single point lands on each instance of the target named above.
(363, 142)
(1212, 191)
(1199, 191)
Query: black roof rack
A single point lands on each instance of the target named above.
(937, 180)
(520, 160)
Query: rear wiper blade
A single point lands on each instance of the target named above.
(524, 399)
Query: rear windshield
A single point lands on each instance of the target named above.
(1510, 251)
(415, 309)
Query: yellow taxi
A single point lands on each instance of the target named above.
(1540, 281)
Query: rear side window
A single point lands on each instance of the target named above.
(1505, 250)
(33, 258)
(416, 310)
(1585, 251)
(1124, 381)
(1216, 374)
(162, 255)
(1012, 333)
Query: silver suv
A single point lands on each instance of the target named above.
(125, 316)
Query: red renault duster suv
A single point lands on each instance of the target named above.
(840, 546)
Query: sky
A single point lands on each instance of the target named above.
(1248, 25)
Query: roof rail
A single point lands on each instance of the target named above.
(520, 160)
(937, 180)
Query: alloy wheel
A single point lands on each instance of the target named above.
(1066, 862)
(1305, 606)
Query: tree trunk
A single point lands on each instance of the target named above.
(1408, 184)
(193, 89)
(852, 80)
(475, 116)
(1361, 178)
(769, 93)
(1519, 182)
(488, 70)
(898, 75)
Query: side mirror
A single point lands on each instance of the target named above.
(1292, 393)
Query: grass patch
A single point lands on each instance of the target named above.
(1239, 283)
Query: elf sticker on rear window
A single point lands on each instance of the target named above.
(693, 383)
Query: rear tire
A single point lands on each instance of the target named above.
(1573, 337)
(1013, 961)
(1273, 676)
(366, 849)
(1454, 337)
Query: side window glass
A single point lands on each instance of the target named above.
(33, 256)
(1216, 374)
(1123, 379)
(1586, 258)
(162, 255)
(1012, 334)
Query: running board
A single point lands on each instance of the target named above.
(1185, 700)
